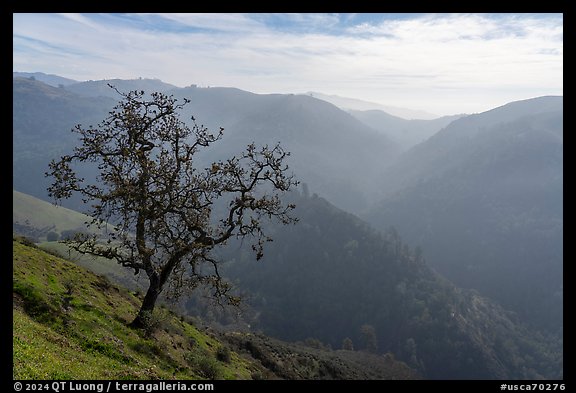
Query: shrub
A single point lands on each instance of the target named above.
(224, 354)
(35, 304)
(52, 236)
(209, 367)
(205, 364)
(257, 375)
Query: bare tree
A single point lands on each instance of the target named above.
(162, 206)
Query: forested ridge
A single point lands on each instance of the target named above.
(333, 275)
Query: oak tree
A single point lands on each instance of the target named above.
(163, 207)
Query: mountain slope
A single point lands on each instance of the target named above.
(337, 155)
(35, 218)
(484, 191)
(42, 118)
(71, 324)
(331, 275)
(331, 151)
(406, 133)
(352, 104)
(483, 197)
(444, 149)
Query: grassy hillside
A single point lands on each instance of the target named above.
(35, 218)
(99, 265)
(69, 323)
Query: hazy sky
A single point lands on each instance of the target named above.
(440, 63)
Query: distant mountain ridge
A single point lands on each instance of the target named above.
(347, 103)
(49, 79)
(330, 149)
(95, 88)
(406, 133)
(42, 118)
(425, 160)
(509, 112)
(100, 87)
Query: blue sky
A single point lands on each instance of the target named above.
(440, 63)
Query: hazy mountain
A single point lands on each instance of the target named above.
(337, 155)
(49, 79)
(100, 87)
(334, 153)
(347, 103)
(484, 199)
(406, 133)
(42, 117)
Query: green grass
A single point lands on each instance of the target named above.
(72, 324)
(41, 214)
(99, 265)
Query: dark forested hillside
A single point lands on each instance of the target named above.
(484, 200)
(332, 277)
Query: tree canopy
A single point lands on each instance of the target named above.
(169, 215)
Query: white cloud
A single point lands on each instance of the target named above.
(430, 62)
(220, 22)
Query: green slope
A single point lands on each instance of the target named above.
(39, 217)
(71, 324)
(35, 218)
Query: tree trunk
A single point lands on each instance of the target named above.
(143, 317)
